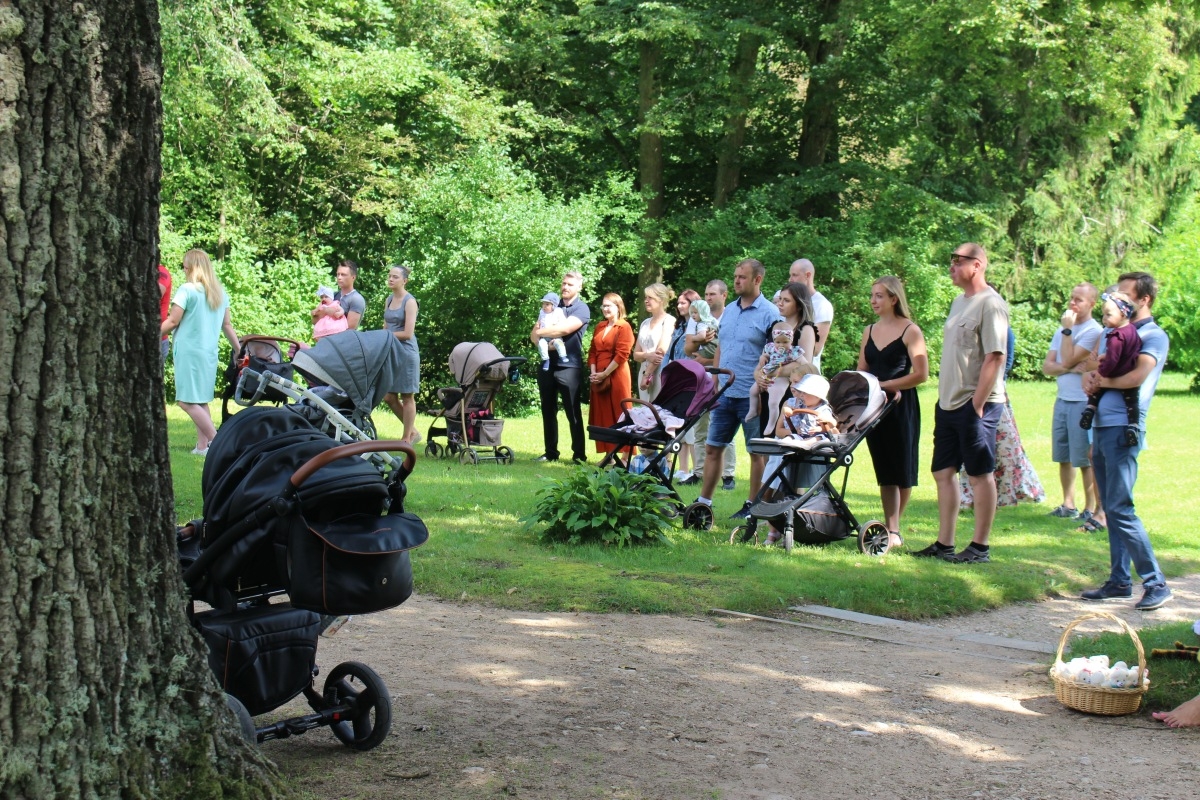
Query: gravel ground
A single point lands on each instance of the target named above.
(493, 703)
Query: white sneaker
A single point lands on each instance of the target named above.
(196, 451)
(682, 475)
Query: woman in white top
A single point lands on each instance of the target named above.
(654, 338)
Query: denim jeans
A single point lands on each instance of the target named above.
(1116, 471)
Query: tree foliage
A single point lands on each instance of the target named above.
(868, 135)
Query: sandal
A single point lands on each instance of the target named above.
(1092, 526)
(895, 539)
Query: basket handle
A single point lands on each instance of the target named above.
(1112, 617)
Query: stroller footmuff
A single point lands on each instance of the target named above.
(290, 511)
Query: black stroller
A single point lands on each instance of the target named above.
(688, 390)
(467, 417)
(287, 510)
(347, 375)
(257, 354)
(819, 515)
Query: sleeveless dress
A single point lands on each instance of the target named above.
(649, 335)
(196, 341)
(893, 441)
(410, 373)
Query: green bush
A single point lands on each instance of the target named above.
(609, 506)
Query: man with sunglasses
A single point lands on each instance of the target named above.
(970, 401)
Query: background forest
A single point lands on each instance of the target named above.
(493, 144)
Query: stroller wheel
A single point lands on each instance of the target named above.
(873, 538)
(698, 516)
(249, 732)
(505, 455)
(743, 534)
(434, 450)
(468, 456)
(371, 718)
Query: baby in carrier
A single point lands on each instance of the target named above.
(551, 316)
(1122, 345)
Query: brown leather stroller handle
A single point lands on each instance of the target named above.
(254, 337)
(353, 449)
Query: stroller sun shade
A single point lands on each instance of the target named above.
(363, 364)
(467, 357)
(685, 381)
(856, 399)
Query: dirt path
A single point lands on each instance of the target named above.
(492, 703)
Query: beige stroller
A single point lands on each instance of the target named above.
(466, 419)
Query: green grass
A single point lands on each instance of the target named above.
(1171, 681)
(478, 550)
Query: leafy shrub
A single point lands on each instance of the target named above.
(609, 506)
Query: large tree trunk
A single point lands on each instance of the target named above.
(819, 134)
(105, 688)
(741, 74)
(650, 157)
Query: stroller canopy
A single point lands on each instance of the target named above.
(468, 357)
(681, 378)
(856, 399)
(363, 364)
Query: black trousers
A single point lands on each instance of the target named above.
(565, 383)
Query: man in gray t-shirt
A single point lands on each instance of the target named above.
(1065, 362)
(347, 296)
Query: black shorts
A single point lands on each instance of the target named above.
(963, 439)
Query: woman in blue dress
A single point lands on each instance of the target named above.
(893, 350)
(400, 317)
(199, 313)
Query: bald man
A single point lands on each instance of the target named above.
(802, 271)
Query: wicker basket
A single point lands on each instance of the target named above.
(1099, 699)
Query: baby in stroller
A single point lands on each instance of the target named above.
(805, 421)
(551, 316)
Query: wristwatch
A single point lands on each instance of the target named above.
(1066, 331)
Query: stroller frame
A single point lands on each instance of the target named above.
(837, 453)
(665, 448)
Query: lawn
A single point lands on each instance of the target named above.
(479, 551)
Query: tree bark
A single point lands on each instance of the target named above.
(819, 134)
(650, 157)
(105, 688)
(741, 74)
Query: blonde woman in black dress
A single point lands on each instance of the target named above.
(893, 350)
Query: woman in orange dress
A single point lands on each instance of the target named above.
(608, 362)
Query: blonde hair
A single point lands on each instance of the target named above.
(198, 269)
(895, 289)
(663, 292)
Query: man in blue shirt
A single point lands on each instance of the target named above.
(745, 327)
(564, 379)
(1115, 462)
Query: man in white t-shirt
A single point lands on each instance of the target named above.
(1065, 362)
(802, 271)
